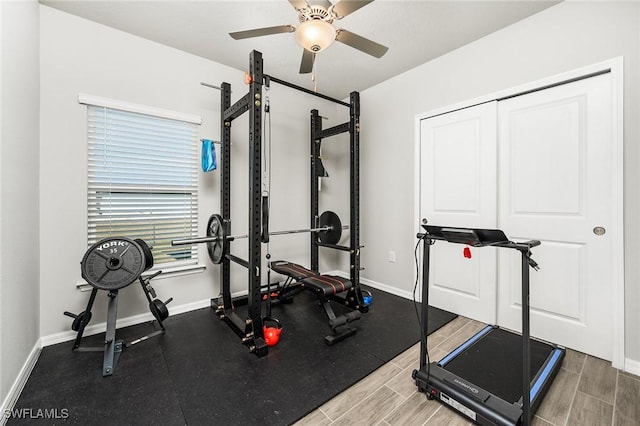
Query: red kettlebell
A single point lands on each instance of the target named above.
(271, 334)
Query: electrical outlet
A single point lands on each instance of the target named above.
(392, 256)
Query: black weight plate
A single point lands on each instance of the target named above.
(216, 248)
(148, 256)
(113, 263)
(77, 321)
(333, 235)
(159, 310)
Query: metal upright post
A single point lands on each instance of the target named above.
(426, 252)
(85, 318)
(316, 129)
(354, 226)
(526, 343)
(225, 189)
(255, 176)
(113, 347)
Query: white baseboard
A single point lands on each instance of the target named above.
(66, 336)
(379, 286)
(387, 288)
(632, 366)
(16, 389)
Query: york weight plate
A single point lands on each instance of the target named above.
(113, 263)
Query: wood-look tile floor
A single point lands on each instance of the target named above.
(586, 391)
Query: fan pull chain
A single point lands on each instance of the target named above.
(313, 74)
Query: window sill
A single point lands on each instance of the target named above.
(176, 271)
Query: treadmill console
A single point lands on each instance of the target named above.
(469, 236)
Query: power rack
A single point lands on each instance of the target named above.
(250, 329)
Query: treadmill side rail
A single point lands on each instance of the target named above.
(542, 381)
(444, 361)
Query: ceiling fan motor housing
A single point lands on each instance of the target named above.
(315, 12)
(315, 31)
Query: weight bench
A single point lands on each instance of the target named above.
(324, 286)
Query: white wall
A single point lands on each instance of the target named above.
(78, 55)
(19, 133)
(564, 37)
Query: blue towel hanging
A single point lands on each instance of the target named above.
(209, 162)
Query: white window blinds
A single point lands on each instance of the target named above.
(143, 181)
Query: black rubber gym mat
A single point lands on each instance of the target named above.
(199, 373)
(494, 363)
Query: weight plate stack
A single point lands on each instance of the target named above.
(146, 250)
(113, 263)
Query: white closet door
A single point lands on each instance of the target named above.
(555, 186)
(458, 188)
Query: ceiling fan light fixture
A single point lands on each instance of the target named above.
(315, 35)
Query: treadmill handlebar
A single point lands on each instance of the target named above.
(532, 243)
(509, 244)
(524, 247)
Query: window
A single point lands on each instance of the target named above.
(143, 180)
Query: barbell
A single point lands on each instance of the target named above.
(329, 232)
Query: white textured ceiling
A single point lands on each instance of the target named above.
(414, 31)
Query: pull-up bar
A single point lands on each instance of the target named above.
(268, 78)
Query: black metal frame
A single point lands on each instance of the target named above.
(112, 347)
(250, 329)
(353, 298)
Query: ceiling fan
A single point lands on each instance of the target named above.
(316, 32)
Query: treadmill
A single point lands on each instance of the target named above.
(486, 377)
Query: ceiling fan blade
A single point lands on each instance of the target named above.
(325, 3)
(299, 4)
(258, 32)
(363, 44)
(344, 7)
(306, 65)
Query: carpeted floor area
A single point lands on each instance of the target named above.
(199, 373)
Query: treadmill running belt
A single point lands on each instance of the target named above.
(494, 363)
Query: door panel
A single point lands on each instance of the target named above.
(555, 180)
(458, 188)
(559, 261)
(547, 152)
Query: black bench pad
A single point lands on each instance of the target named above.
(327, 284)
(324, 284)
(292, 270)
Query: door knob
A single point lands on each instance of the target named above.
(599, 230)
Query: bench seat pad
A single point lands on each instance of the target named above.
(289, 269)
(327, 284)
